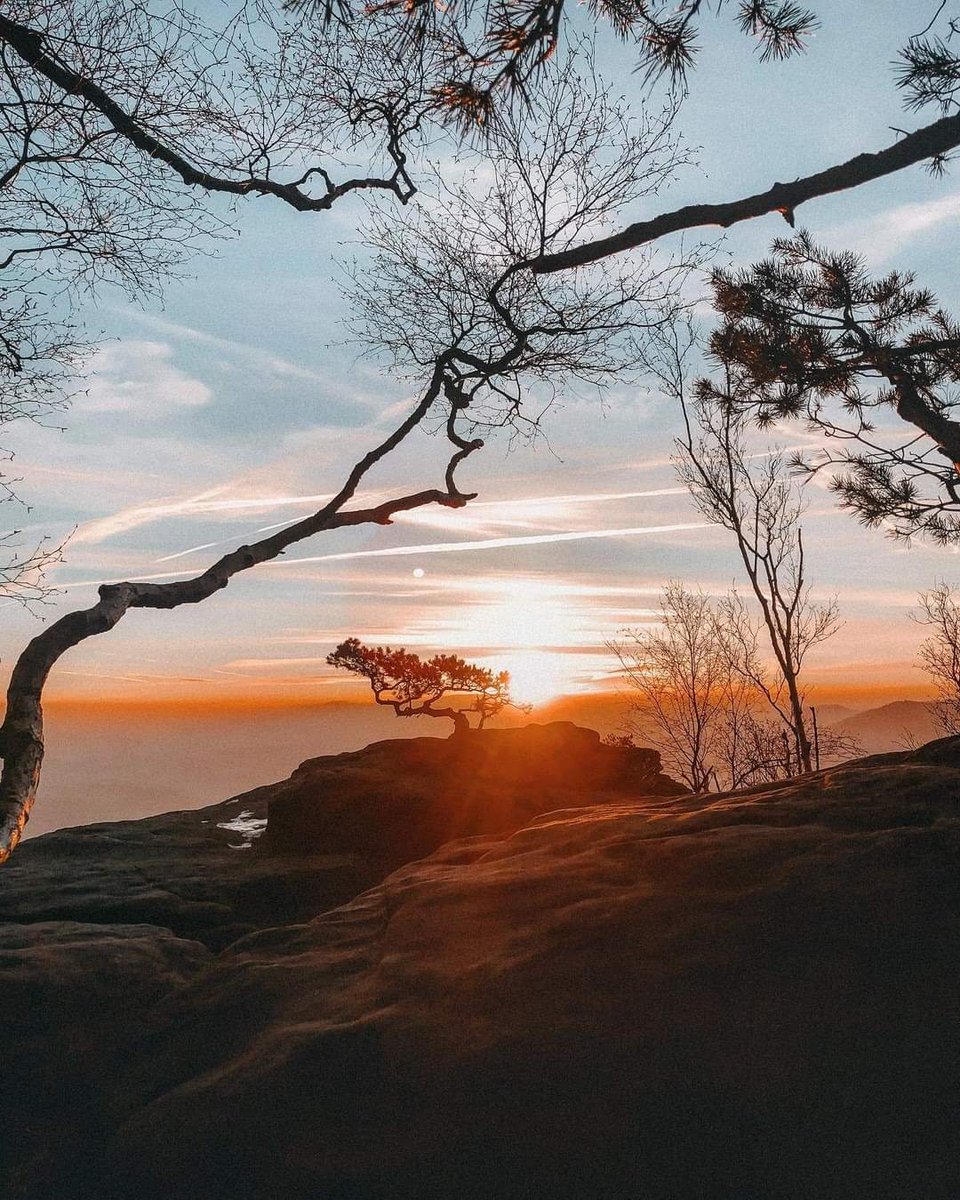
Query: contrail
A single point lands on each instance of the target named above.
(537, 539)
(412, 517)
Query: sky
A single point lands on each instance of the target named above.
(237, 401)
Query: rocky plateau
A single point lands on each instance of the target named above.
(521, 966)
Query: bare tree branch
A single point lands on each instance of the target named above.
(21, 734)
(931, 142)
(31, 46)
(752, 498)
(428, 305)
(940, 652)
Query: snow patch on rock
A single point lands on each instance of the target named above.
(247, 825)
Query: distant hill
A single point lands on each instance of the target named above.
(833, 714)
(893, 726)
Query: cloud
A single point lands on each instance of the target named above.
(884, 235)
(205, 504)
(357, 388)
(480, 517)
(143, 514)
(428, 548)
(251, 354)
(139, 377)
(535, 512)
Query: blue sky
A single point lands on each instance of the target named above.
(235, 403)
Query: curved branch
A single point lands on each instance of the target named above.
(931, 142)
(30, 46)
(21, 734)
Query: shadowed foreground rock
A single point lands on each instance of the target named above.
(748, 997)
(400, 800)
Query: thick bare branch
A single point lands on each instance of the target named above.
(31, 47)
(429, 306)
(931, 142)
(21, 734)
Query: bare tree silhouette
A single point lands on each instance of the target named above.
(940, 652)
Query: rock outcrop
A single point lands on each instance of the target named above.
(342, 822)
(674, 998)
(197, 873)
(399, 800)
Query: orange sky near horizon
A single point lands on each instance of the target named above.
(355, 694)
(536, 585)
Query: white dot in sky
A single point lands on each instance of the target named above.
(418, 572)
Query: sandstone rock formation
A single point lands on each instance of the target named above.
(710, 998)
(400, 800)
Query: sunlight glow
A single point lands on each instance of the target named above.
(536, 676)
(527, 627)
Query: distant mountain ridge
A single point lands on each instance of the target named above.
(894, 726)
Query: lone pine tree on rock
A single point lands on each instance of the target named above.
(413, 687)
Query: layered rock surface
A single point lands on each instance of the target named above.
(745, 996)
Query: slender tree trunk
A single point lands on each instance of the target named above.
(804, 746)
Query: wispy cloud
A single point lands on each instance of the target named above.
(240, 350)
(483, 516)
(882, 236)
(140, 378)
(431, 548)
(204, 504)
(534, 512)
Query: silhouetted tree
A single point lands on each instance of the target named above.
(455, 59)
(704, 698)
(808, 334)
(116, 122)
(940, 652)
(253, 106)
(444, 283)
(179, 110)
(413, 687)
(678, 671)
(751, 496)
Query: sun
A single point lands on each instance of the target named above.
(536, 676)
(526, 626)
(533, 625)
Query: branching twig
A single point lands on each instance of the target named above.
(30, 46)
